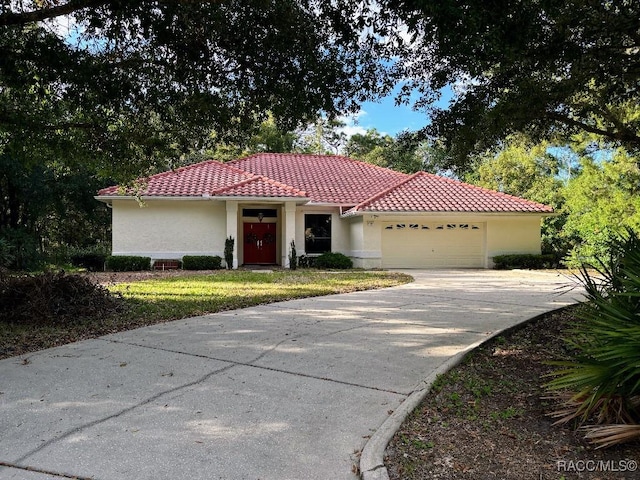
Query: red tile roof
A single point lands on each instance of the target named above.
(328, 179)
(331, 179)
(424, 192)
(211, 178)
(259, 187)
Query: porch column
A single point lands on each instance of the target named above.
(232, 229)
(288, 231)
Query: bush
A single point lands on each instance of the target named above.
(527, 261)
(6, 258)
(128, 263)
(23, 251)
(601, 385)
(305, 261)
(333, 260)
(228, 252)
(53, 297)
(293, 256)
(91, 258)
(201, 262)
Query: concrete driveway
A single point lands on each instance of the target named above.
(292, 390)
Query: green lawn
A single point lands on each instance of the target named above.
(157, 300)
(180, 297)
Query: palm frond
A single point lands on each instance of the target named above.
(605, 436)
(601, 384)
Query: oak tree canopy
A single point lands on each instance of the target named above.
(544, 67)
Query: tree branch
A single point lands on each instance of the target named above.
(7, 120)
(622, 135)
(25, 18)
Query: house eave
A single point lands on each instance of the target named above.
(255, 199)
(108, 199)
(458, 213)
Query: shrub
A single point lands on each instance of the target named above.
(293, 256)
(6, 258)
(527, 261)
(305, 261)
(228, 252)
(23, 249)
(333, 260)
(601, 384)
(201, 262)
(53, 297)
(128, 263)
(91, 258)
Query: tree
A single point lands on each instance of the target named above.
(521, 168)
(266, 137)
(359, 145)
(530, 171)
(601, 202)
(146, 80)
(400, 153)
(324, 136)
(540, 67)
(109, 91)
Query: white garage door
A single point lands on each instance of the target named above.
(432, 245)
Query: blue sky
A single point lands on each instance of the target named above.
(387, 117)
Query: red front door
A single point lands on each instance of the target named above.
(260, 243)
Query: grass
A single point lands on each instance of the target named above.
(159, 300)
(180, 297)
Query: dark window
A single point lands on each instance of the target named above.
(255, 212)
(317, 233)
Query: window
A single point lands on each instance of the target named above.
(260, 212)
(317, 233)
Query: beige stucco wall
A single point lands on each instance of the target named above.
(517, 234)
(168, 228)
(174, 228)
(366, 240)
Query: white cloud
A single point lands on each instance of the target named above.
(352, 124)
(351, 130)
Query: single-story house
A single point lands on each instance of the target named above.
(378, 217)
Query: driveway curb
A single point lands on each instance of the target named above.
(372, 458)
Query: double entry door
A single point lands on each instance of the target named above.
(260, 243)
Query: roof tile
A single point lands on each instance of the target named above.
(191, 181)
(329, 179)
(332, 179)
(430, 193)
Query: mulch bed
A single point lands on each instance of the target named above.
(488, 419)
